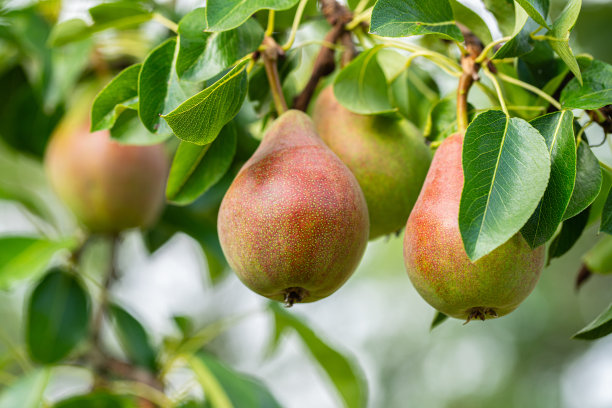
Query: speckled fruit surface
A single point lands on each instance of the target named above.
(435, 258)
(387, 156)
(109, 187)
(294, 223)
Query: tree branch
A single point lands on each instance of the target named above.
(338, 16)
(469, 74)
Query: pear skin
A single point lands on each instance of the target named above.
(294, 223)
(387, 156)
(108, 186)
(437, 263)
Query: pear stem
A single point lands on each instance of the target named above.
(469, 75)
(270, 55)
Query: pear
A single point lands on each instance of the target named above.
(387, 156)
(108, 186)
(437, 263)
(294, 223)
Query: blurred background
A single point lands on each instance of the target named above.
(525, 359)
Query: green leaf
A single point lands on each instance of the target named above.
(600, 327)
(471, 20)
(595, 90)
(558, 131)
(203, 55)
(353, 3)
(57, 317)
(133, 338)
(158, 89)
(442, 118)
(606, 216)
(118, 13)
(118, 95)
(197, 168)
(537, 9)
(402, 18)
(25, 257)
(68, 31)
(361, 86)
(223, 15)
(560, 32)
(571, 230)
(128, 129)
(521, 42)
(588, 181)
(226, 388)
(503, 10)
(438, 319)
(506, 168)
(599, 258)
(200, 118)
(27, 392)
(339, 368)
(97, 399)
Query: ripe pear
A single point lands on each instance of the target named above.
(294, 223)
(387, 156)
(109, 187)
(437, 263)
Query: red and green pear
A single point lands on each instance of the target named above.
(294, 223)
(387, 156)
(437, 263)
(109, 187)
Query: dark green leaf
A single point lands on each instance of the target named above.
(606, 215)
(340, 369)
(413, 92)
(203, 55)
(438, 319)
(361, 86)
(402, 18)
(561, 30)
(537, 9)
(506, 169)
(570, 232)
(521, 42)
(599, 258)
(200, 118)
(595, 91)
(558, 131)
(442, 119)
(471, 20)
(27, 392)
(118, 95)
(600, 327)
(98, 399)
(57, 318)
(158, 89)
(24, 257)
(133, 338)
(503, 10)
(197, 168)
(223, 15)
(227, 388)
(588, 181)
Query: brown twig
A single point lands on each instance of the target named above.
(470, 70)
(338, 16)
(583, 275)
